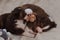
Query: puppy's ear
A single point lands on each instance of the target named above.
(17, 10)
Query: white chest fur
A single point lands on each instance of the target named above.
(20, 24)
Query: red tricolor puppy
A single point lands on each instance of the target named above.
(31, 17)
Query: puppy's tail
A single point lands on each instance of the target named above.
(51, 25)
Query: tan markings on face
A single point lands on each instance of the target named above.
(32, 18)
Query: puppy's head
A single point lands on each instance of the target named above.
(30, 15)
(18, 12)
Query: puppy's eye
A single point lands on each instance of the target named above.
(28, 15)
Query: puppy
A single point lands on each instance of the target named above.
(36, 18)
(9, 21)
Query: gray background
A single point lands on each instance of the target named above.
(52, 7)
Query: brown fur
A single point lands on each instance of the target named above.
(35, 9)
(42, 19)
(7, 21)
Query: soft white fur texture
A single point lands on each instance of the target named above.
(20, 24)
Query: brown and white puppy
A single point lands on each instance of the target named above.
(11, 21)
(37, 18)
(30, 18)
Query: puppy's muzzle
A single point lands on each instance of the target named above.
(30, 17)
